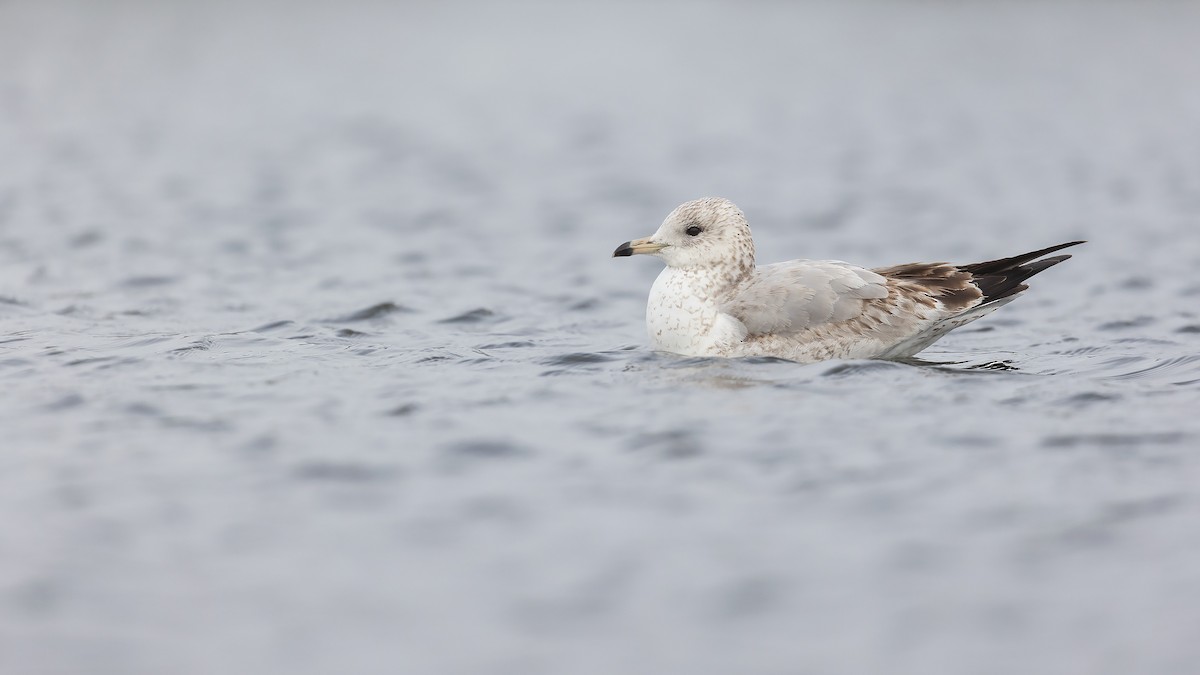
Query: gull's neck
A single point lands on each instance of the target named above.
(709, 281)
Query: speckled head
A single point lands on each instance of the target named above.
(709, 232)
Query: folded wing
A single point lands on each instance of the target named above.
(799, 295)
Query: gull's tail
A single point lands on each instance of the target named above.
(1003, 278)
(958, 289)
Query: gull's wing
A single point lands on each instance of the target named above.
(904, 308)
(798, 295)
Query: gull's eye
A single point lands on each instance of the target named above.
(693, 231)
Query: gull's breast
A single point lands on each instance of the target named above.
(681, 318)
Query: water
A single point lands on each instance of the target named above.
(313, 358)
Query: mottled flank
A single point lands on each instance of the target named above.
(712, 300)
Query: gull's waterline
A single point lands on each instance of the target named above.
(712, 300)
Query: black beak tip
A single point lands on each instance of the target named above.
(623, 251)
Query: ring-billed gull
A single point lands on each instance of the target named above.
(712, 300)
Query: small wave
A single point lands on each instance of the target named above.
(767, 361)
(376, 311)
(675, 361)
(577, 358)
(477, 315)
(849, 368)
(671, 444)
(149, 281)
(85, 239)
(1090, 397)
(90, 361)
(1080, 351)
(274, 325)
(1005, 364)
(484, 449)
(1172, 368)
(201, 345)
(435, 356)
(66, 402)
(584, 305)
(345, 472)
(1124, 324)
(1113, 439)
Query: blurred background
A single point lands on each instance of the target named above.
(312, 355)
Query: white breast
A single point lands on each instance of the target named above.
(682, 318)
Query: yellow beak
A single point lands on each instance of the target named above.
(644, 245)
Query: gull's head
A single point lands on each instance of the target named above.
(708, 232)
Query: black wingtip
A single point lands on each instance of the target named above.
(994, 266)
(1002, 278)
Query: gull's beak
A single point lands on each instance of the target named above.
(645, 245)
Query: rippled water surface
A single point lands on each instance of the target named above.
(313, 358)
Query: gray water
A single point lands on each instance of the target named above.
(313, 358)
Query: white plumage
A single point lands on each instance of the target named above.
(712, 300)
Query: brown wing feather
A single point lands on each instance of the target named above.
(928, 283)
(959, 287)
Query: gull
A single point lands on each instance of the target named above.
(712, 300)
